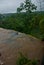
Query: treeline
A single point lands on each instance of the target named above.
(27, 23)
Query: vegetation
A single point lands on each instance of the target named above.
(41, 24)
(27, 6)
(18, 22)
(28, 22)
(22, 60)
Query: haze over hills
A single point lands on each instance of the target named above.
(10, 6)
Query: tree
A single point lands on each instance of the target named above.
(41, 24)
(27, 6)
(1, 19)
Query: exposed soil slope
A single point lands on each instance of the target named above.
(12, 42)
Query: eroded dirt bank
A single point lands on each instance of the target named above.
(11, 43)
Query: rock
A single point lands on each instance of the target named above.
(1, 63)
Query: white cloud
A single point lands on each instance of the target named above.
(8, 6)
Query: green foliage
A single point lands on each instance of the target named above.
(42, 63)
(22, 60)
(24, 22)
(34, 62)
(41, 24)
(27, 6)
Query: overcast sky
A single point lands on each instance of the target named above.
(10, 6)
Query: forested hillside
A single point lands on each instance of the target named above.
(30, 24)
(26, 20)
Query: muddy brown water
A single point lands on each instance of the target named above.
(12, 43)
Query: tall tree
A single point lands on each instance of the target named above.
(27, 6)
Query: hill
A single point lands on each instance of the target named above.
(24, 22)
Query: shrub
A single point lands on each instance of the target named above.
(35, 62)
(22, 60)
(41, 25)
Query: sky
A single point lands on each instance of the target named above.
(10, 6)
